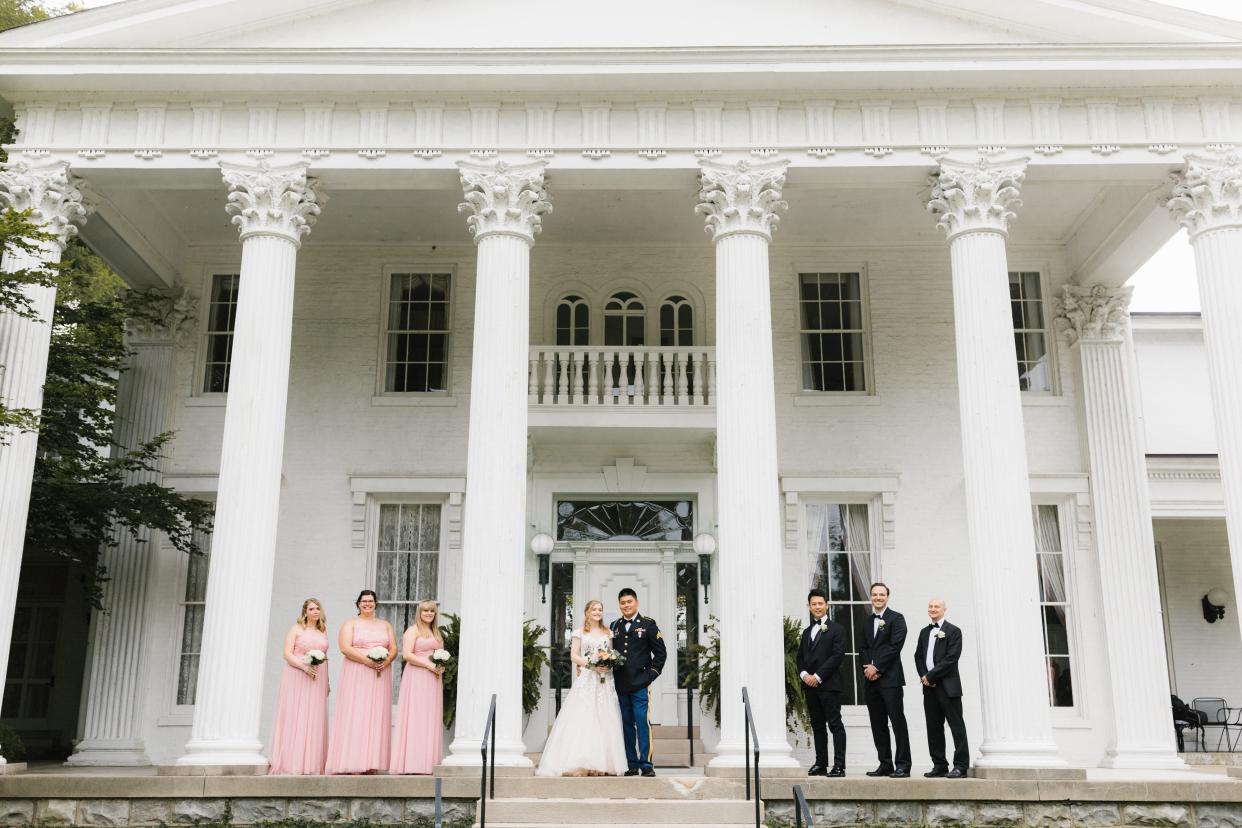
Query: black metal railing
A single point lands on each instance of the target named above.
(690, 721)
(752, 736)
(802, 810)
(438, 820)
(489, 772)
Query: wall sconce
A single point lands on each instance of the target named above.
(705, 545)
(1214, 605)
(541, 545)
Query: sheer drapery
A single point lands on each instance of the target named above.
(407, 564)
(1054, 604)
(194, 609)
(840, 557)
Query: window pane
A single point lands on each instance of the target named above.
(418, 325)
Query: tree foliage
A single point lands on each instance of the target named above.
(20, 12)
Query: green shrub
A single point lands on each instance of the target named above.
(11, 746)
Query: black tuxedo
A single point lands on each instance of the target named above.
(822, 657)
(943, 700)
(885, 696)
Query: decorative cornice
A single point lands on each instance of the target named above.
(50, 192)
(1098, 313)
(1207, 194)
(272, 201)
(976, 197)
(161, 319)
(505, 199)
(741, 197)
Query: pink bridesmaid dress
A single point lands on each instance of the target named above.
(300, 733)
(362, 721)
(418, 745)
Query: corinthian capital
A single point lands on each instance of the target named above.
(504, 199)
(53, 196)
(741, 197)
(272, 201)
(1093, 314)
(1207, 194)
(979, 196)
(159, 318)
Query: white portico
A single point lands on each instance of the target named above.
(371, 399)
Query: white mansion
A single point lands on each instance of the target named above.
(924, 375)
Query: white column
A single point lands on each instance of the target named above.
(741, 203)
(974, 203)
(112, 726)
(1207, 201)
(274, 207)
(1094, 322)
(505, 206)
(55, 199)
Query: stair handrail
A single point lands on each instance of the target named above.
(752, 735)
(485, 775)
(801, 807)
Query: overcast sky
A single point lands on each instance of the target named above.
(1167, 281)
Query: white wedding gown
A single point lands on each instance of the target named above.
(586, 738)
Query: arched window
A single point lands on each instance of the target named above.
(676, 322)
(625, 320)
(573, 321)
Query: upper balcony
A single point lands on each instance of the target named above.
(618, 386)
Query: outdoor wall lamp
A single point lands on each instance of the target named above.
(705, 545)
(1214, 605)
(541, 545)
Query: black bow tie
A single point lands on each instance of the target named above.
(877, 615)
(935, 626)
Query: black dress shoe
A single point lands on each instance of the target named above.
(956, 773)
(937, 772)
(632, 772)
(836, 772)
(882, 770)
(900, 773)
(648, 771)
(817, 770)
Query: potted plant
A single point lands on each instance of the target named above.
(534, 660)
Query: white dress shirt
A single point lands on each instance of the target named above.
(931, 642)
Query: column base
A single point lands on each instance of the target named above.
(467, 753)
(7, 768)
(104, 753)
(222, 753)
(1020, 756)
(1065, 774)
(1143, 759)
(732, 755)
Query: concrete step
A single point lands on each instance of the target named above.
(610, 811)
(674, 745)
(662, 787)
(681, 759)
(672, 732)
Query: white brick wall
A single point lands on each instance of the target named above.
(909, 429)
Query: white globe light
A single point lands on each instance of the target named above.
(1218, 597)
(704, 544)
(542, 544)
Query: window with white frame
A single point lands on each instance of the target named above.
(1030, 332)
(193, 609)
(1054, 604)
(221, 320)
(573, 321)
(418, 332)
(625, 320)
(407, 564)
(833, 329)
(676, 322)
(841, 562)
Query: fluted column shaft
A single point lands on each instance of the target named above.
(1206, 199)
(974, 203)
(741, 203)
(506, 204)
(112, 726)
(1095, 322)
(55, 200)
(243, 550)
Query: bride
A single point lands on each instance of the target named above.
(586, 739)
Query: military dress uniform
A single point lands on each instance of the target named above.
(639, 640)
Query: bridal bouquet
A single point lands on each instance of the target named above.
(314, 658)
(378, 655)
(606, 658)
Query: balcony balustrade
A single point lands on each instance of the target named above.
(586, 376)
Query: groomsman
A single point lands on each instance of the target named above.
(819, 658)
(884, 633)
(639, 640)
(936, 660)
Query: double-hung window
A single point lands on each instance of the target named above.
(833, 329)
(221, 320)
(418, 329)
(1056, 611)
(1030, 330)
(841, 563)
(193, 609)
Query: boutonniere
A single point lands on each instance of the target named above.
(939, 633)
(883, 623)
(823, 626)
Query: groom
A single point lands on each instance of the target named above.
(638, 639)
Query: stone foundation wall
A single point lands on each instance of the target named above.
(116, 813)
(956, 814)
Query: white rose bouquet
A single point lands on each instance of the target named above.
(378, 655)
(440, 658)
(314, 657)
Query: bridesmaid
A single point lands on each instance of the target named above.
(419, 741)
(362, 721)
(300, 733)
